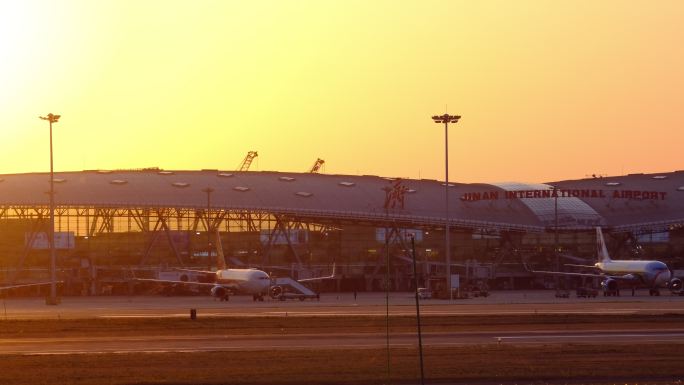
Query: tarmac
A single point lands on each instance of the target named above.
(330, 305)
(220, 342)
(337, 304)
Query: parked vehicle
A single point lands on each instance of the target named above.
(424, 293)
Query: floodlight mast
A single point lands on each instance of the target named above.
(208, 191)
(446, 119)
(52, 300)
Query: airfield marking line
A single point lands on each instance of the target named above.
(598, 335)
(296, 313)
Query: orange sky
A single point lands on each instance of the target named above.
(548, 90)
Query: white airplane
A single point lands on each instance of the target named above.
(652, 274)
(226, 281)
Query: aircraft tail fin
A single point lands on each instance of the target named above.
(220, 259)
(601, 249)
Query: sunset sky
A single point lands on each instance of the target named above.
(547, 90)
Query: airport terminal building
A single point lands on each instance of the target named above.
(110, 224)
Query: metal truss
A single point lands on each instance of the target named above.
(158, 222)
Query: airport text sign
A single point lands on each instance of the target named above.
(564, 193)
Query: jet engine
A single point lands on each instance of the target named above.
(220, 292)
(610, 287)
(276, 292)
(676, 286)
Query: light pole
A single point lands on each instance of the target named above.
(388, 204)
(415, 286)
(446, 119)
(52, 300)
(555, 235)
(209, 190)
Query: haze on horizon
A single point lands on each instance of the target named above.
(546, 90)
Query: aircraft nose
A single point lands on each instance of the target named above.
(664, 277)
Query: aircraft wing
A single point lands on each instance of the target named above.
(331, 276)
(188, 283)
(626, 277)
(571, 274)
(195, 271)
(316, 279)
(27, 285)
(583, 266)
(592, 275)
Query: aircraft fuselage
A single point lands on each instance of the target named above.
(651, 273)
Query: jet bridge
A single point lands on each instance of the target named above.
(284, 288)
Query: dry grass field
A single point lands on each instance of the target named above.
(585, 364)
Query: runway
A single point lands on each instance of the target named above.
(218, 342)
(334, 305)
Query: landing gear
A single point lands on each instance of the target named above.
(633, 290)
(225, 298)
(258, 297)
(654, 292)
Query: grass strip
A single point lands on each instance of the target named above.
(322, 325)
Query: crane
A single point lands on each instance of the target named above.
(317, 166)
(244, 166)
